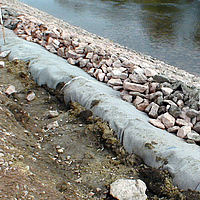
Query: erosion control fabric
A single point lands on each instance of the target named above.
(156, 147)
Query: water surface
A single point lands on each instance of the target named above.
(166, 29)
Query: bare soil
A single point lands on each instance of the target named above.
(70, 156)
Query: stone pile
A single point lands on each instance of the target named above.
(170, 103)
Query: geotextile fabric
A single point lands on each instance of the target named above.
(156, 147)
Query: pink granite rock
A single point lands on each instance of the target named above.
(118, 73)
(115, 81)
(180, 103)
(152, 87)
(157, 123)
(71, 61)
(100, 76)
(117, 64)
(183, 131)
(135, 87)
(127, 97)
(168, 120)
(89, 55)
(83, 62)
(137, 101)
(166, 91)
(182, 122)
(142, 106)
(61, 51)
(109, 62)
(104, 68)
(150, 72)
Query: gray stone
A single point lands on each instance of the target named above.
(52, 113)
(101, 76)
(89, 48)
(72, 54)
(116, 73)
(109, 62)
(79, 49)
(83, 62)
(179, 95)
(53, 125)
(198, 117)
(194, 120)
(134, 94)
(104, 68)
(193, 135)
(161, 110)
(150, 72)
(61, 51)
(126, 189)
(130, 64)
(97, 71)
(160, 79)
(184, 116)
(169, 102)
(117, 87)
(175, 111)
(159, 100)
(180, 103)
(89, 55)
(10, 90)
(91, 71)
(31, 96)
(166, 91)
(138, 78)
(173, 129)
(192, 113)
(154, 110)
(139, 70)
(155, 95)
(71, 61)
(197, 127)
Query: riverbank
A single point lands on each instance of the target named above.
(76, 44)
(170, 96)
(50, 151)
(140, 59)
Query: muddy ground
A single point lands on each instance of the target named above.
(68, 154)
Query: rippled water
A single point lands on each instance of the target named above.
(166, 29)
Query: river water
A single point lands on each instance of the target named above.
(168, 30)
